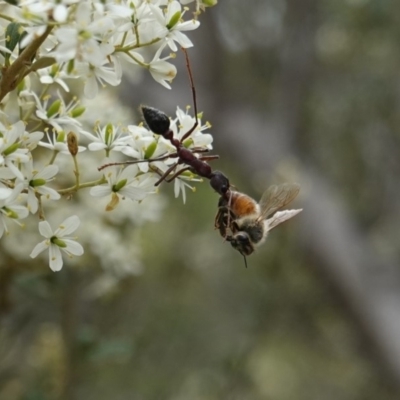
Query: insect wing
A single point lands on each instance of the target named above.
(276, 197)
(279, 217)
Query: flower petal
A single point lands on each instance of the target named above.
(73, 247)
(47, 172)
(39, 248)
(67, 226)
(100, 191)
(45, 229)
(55, 258)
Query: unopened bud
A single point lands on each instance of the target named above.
(60, 243)
(10, 149)
(10, 213)
(70, 66)
(77, 111)
(188, 142)
(109, 137)
(37, 182)
(174, 20)
(72, 141)
(209, 3)
(118, 186)
(60, 137)
(54, 108)
(151, 148)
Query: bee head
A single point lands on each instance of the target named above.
(242, 243)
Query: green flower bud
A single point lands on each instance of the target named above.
(37, 182)
(54, 108)
(58, 242)
(188, 142)
(11, 149)
(109, 133)
(209, 3)
(61, 137)
(174, 20)
(85, 35)
(151, 148)
(54, 70)
(10, 213)
(70, 66)
(118, 186)
(77, 111)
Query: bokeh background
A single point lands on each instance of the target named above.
(296, 91)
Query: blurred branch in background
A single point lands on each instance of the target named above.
(369, 281)
(296, 91)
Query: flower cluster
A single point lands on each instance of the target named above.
(46, 47)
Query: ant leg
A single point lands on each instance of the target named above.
(177, 174)
(209, 158)
(199, 150)
(166, 173)
(190, 131)
(173, 155)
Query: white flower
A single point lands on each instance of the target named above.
(30, 140)
(138, 144)
(83, 40)
(184, 122)
(10, 151)
(58, 114)
(124, 183)
(11, 209)
(172, 21)
(54, 74)
(162, 70)
(93, 75)
(109, 137)
(35, 183)
(57, 241)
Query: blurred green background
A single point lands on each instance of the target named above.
(304, 91)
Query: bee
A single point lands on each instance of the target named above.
(245, 223)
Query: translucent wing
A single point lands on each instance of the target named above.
(276, 197)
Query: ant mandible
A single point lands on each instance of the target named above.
(159, 123)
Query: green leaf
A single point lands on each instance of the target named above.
(14, 32)
(43, 62)
(12, 2)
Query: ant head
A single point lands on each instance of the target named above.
(157, 121)
(219, 182)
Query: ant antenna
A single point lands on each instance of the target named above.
(189, 69)
(245, 260)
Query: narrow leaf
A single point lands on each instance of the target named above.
(43, 62)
